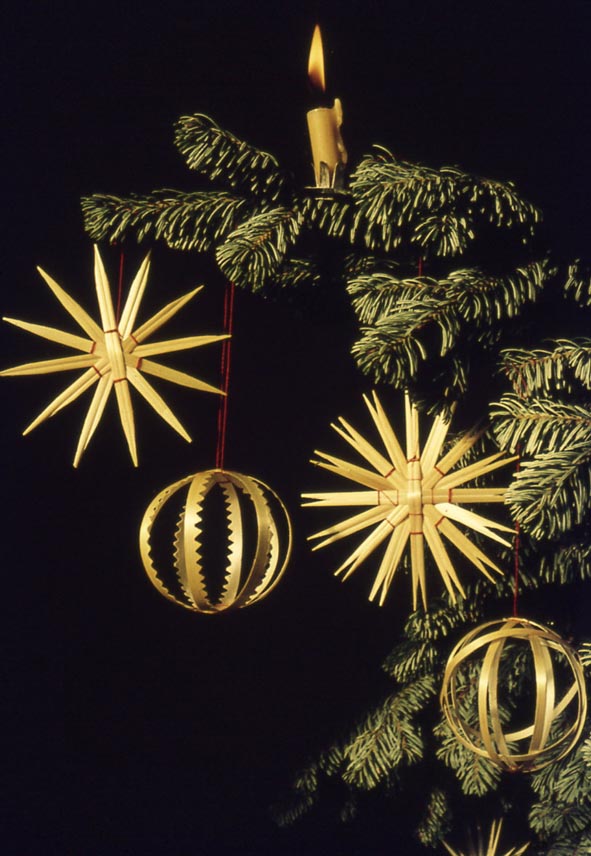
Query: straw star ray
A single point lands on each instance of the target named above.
(113, 356)
(410, 497)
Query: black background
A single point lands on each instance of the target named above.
(133, 726)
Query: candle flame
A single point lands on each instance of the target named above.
(316, 61)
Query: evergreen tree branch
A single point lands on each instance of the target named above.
(403, 313)
(219, 155)
(436, 209)
(254, 252)
(539, 425)
(550, 819)
(476, 775)
(551, 494)
(358, 264)
(578, 283)
(295, 273)
(544, 372)
(578, 844)
(564, 564)
(566, 781)
(442, 618)
(185, 221)
(411, 659)
(388, 737)
(332, 216)
(469, 294)
(436, 820)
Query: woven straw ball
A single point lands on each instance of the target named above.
(234, 523)
(544, 722)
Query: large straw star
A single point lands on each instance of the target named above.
(113, 356)
(412, 497)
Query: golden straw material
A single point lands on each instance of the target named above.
(555, 706)
(488, 849)
(113, 356)
(411, 497)
(257, 547)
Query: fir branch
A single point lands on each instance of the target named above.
(578, 844)
(395, 199)
(551, 494)
(376, 294)
(185, 221)
(295, 272)
(566, 564)
(411, 659)
(442, 618)
(402, 313)
(331, 761)
(330, 215)
(543, 371)
(502, 204)
(389, 351)
(559, 564)
(551, 818)
(387, 738)
(578, 283)
(357, 264)
(285, 815)
(218, 154)
(476, 775)
(436, 820)
(469, 294)
(306, 786)
(540, 425)
(254, 252)
(447, 381)
(566, 782)
(390, 193)
(448, 234)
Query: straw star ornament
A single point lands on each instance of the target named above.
(113, 356)
(410, 497)
(488, 849)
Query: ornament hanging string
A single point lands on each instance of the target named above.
(516, 550)
(225, 375)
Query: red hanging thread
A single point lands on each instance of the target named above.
(516, 551)
(120, 286)
(420, 266)
(225, 375)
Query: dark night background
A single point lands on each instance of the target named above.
(134, 727)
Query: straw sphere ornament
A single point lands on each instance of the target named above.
(257, 541)
(553, 707)
(410, 497)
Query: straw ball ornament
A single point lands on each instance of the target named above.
(225, 518)
(546, 717)
(410, 496)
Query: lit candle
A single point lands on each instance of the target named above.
(324, 126)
